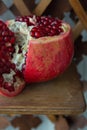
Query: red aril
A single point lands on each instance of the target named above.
(43, 48)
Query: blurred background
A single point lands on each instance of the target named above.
(63, 10)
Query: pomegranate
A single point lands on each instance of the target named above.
(44, 47)
(11, 81)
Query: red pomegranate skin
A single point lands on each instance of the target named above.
(48, 57)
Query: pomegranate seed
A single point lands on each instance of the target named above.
(32, 33)
(1, 80)
(60, 30)
(6, 39)
(4, 33)
(18, 73)
(11, 33)
(38, 18)
(1, 39)
(13, 66)
(53, 32)
(26, 20)
(50, 20)
(10, 49)
(34, 29)
(47, 29)
(45, 22)
(6, 69)
(1, 23)
(41, 24)
(12, 39)
(4, 27)
(8, 86)
(54, 27)
(1, 63)
(37, 34)
(11, 89)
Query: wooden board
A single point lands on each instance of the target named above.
(62, 95)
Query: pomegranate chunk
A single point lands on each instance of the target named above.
(8, 71)
(47, 46)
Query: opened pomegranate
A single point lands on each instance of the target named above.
(44, 47)
(11, 81)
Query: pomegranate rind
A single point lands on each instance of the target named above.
(48, 57)
(18, 90)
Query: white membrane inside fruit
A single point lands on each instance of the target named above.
(22, 33)
(9, 77)
(64, 27)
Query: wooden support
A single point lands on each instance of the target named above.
(22, 7)
(77, 29)
(40, 8)
(76, 5)
(55, 97)
(52, 118)
(3, 7)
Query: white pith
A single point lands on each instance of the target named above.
(64, 27)
(22, 33)
(9, 77)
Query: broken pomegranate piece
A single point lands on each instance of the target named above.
(44, 47)
(11, 83)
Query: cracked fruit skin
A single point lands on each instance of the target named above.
(48, 57)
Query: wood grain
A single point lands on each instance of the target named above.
(81, 13)
(63, 95)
